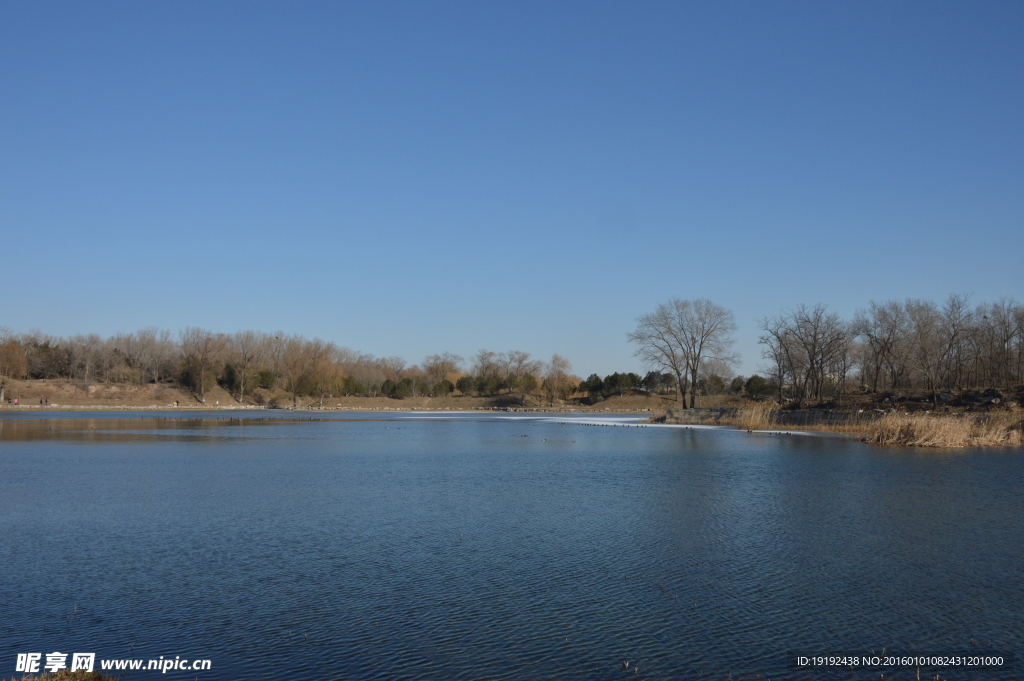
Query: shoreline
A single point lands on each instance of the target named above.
(41, 408)
(938, 431)
(953, 430)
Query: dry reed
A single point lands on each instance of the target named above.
(946, 430)
(915, 429)
(760, 416)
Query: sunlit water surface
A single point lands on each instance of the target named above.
(467, 546)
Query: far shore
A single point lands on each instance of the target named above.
(971, 419)
(37, 408)
(76, 395)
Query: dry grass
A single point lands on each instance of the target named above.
(914, 429)
(931, 430)
(760, 416)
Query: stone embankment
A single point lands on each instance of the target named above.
(735, 416)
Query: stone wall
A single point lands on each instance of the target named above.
(805, 417)
(703, 415)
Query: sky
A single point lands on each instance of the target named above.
(406, 178)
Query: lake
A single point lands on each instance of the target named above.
(494, 546)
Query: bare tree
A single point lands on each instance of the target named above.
(486, 364)
(246, 348)
(927, 349)
(89, 356)
(324, 374)
(161, 354)
(885, 327)
(13, 360)
(956, 325)
(519, 369)
(809, 341)
(820, 334)
(996, 334)
(201, 349)
(1018, 315)
(489, 372)
(683, 334)
(297, 359)
(438, 367)
(394, 365)
(843, 361)
(126, 365)
(778, 349)
(558, 381)
(659, 345)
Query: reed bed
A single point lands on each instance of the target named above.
(758, 417)
(906, 429)
(946, 430)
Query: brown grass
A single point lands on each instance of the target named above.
(905, 429)
(931, 430)
(760, 416)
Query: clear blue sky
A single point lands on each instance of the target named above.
(410, 178)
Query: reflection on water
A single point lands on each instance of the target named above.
(140, 429)
(474, 546)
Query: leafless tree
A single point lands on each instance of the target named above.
(1018, 316)
(996, 337)
(13, 360)
(956, 326)
(485, 364)
(298, 358)
(324, 374)
(843, 361)
(558, 381)
(160, 353)
(126, 358)
(202, 348)
(886, 329)
(659, 344)
(438, 367)
(519, 369)
(927, 349)
(394, 365)
(245, 349)
(681, 335)
(90, 355)
(807, 344)
(821, 335)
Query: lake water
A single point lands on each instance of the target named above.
(478, 546)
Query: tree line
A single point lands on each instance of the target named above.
(812, 354)
(909, 344)
(243, 363)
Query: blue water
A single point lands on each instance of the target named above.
(468, 546)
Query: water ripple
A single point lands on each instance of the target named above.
(456, 548)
